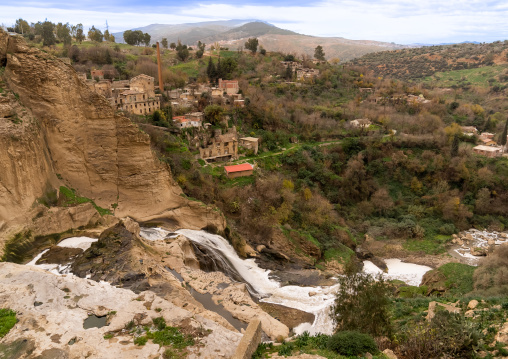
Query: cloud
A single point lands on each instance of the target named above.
(401, 21)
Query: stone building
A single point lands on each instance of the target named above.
(305, 73)
(488, 151)
(223, 148)
(250, 143)
(230, 87)
(187, 121)
(139, 98)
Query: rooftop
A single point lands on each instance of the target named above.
(239, 168)
(487, 148)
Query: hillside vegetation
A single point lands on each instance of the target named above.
(418, 63)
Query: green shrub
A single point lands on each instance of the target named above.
(172, 336)
(286, 348)
(361, 293)
(140, 340)
(7, 321)
(352, 343)
(159, 322)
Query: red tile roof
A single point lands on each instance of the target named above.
(239, 168)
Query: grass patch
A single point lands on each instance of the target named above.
(70, 198)
(7, 321)
(16, 248)
(433, 245)
(341, 254)
(459, 277)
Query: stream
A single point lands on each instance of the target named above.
(261, 285)
(315, 300)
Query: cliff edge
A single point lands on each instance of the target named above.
(55, 131)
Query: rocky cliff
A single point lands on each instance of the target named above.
(55, 131)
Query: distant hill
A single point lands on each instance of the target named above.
(234, 33)
(187, 33)
(419, 63)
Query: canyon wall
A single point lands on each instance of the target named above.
(55, 131)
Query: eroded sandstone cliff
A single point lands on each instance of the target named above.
(55, 131)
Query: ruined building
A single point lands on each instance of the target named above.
(222, 147)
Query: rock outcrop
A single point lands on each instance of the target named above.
(52, 309)
(55, 131)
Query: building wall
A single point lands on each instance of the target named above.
(240, 174)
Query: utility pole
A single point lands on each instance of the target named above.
(107, 26)
(159, 65)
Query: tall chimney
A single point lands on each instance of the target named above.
(159, 64)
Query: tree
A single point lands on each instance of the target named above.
(319, 53)
(201, 50)
(182, 52)
(213, 114)
(48, 37)
(164, 43)
(63, 33)
(502, 140)
(80, 35)
(455, 146)
(134, 38)
(172, 46)
(289, 73)
(252, 45)
(361, 293)
(211, 71)
(95, 34)
(22, 27)
(262, 50)
(146, 39)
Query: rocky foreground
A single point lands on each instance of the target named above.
(52, 309)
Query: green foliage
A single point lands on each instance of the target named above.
(352, 343)
(7, 321)
(361, 293)
(159, 322)
(252, 45)
(319, 54)
(172, 336)
(458, 278)
(68, 198)
(141, 340)
(412, 291)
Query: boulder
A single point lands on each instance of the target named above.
(431, 313)
(479, 251)
(389, 354)
(502, 334)
(472, 304)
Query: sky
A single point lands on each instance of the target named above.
(399, 21)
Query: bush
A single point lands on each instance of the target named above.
(361, 293)
(140, 340)
(352, 343)
(172, 336)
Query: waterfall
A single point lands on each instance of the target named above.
(222, 255)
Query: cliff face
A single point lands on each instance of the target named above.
(70, 135)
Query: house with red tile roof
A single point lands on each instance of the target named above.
(245, 169)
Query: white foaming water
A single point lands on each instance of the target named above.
(73, 242)
(247, 268)
(410, 273)
(315, 300)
